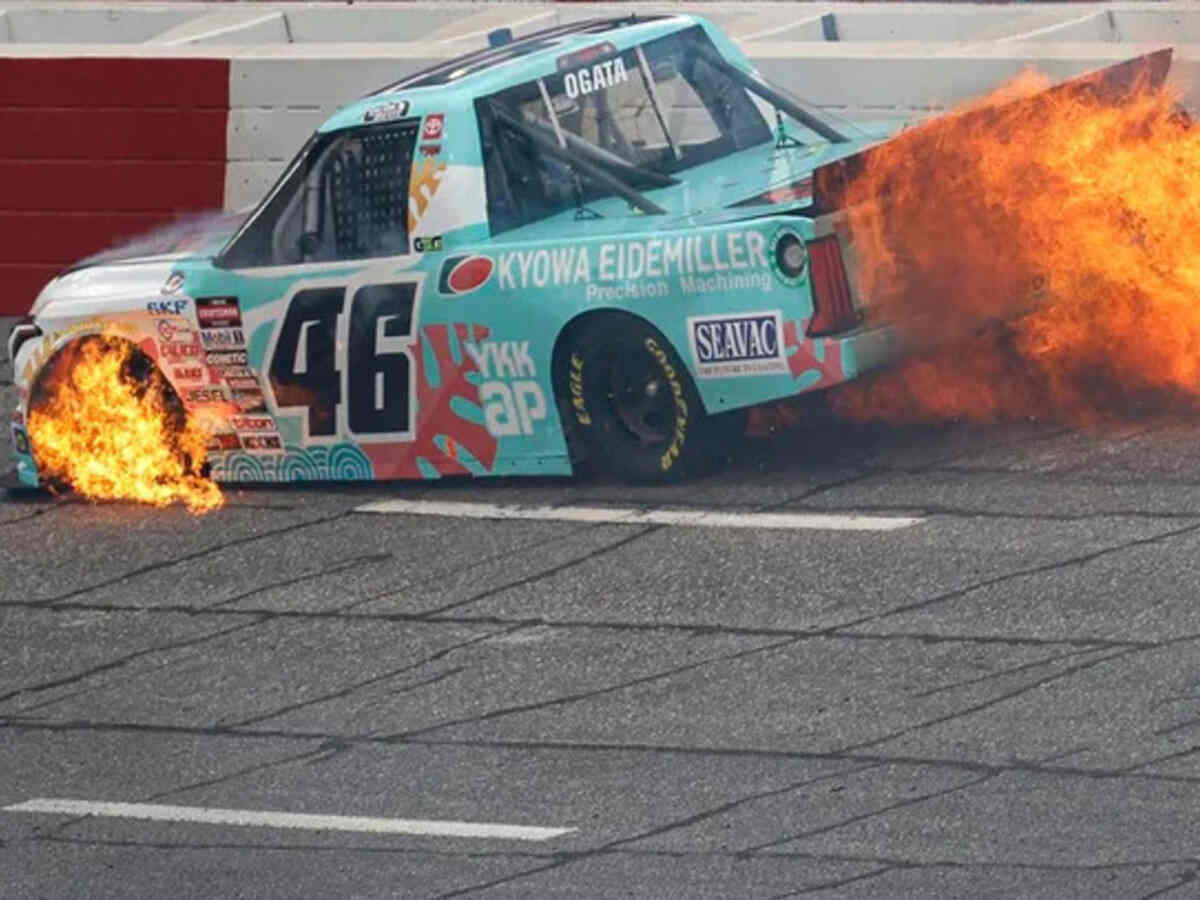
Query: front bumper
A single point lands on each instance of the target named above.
(23, 331)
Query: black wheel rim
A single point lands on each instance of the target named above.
(641, 396)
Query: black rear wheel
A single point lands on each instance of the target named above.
(634, 407)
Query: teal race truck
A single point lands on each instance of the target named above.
(599, 241)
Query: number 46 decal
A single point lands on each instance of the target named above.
(362, 382)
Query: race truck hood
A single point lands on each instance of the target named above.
(141, 264)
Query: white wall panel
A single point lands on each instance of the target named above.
(237, 26)
(248, 182)
(323, 83)
(293, 64)
(1158, 26)
(270, 134)
(121, 25)
(372, 23)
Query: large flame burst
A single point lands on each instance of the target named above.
(1068, 221)
(105, 421)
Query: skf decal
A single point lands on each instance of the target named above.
(166, 307)
(746, 344)
(463, 274)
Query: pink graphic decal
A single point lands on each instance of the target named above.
(443, 434)
(803, 361)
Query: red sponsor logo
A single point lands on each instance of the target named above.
(179, 332)
(434, 126)
(431, 149)
(463, 274)
(175, 350)
(206, 395)
(249, 401)
(262, 442)
(189, 373)
(243, 384)
(253, 423)
(220, 442)
(218, 312)
(227, 358)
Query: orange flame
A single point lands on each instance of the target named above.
(116, 437)
(1047, 246)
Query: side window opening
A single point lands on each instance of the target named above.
(522, 183)
(346, 199)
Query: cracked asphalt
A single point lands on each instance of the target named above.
(1002, 701)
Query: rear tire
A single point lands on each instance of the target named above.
(634, 408)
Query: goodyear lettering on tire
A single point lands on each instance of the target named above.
(681, 408)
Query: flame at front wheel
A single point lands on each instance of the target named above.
(105, 421)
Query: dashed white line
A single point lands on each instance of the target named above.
(264, 819)
(697, 518)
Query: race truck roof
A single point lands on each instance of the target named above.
(560, 37)
(522, 59)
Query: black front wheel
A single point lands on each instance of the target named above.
(634, 406)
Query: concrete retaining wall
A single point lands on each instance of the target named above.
(257, 78)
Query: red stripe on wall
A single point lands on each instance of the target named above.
(96, 150)
(62, 238)
(31, 133)
(90, 82)
(20, 283)
(103, 185)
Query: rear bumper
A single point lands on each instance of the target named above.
(869, 348)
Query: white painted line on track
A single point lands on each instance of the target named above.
(599, 515)
(260, 819)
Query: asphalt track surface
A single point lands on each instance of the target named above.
(1002, 700)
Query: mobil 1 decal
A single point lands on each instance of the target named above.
(737, 344)
(342, 359)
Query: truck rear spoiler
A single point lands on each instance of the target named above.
(1110, 86)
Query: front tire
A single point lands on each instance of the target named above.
(634, 407)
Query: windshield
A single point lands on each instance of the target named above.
(610, 122)
(661, 106)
